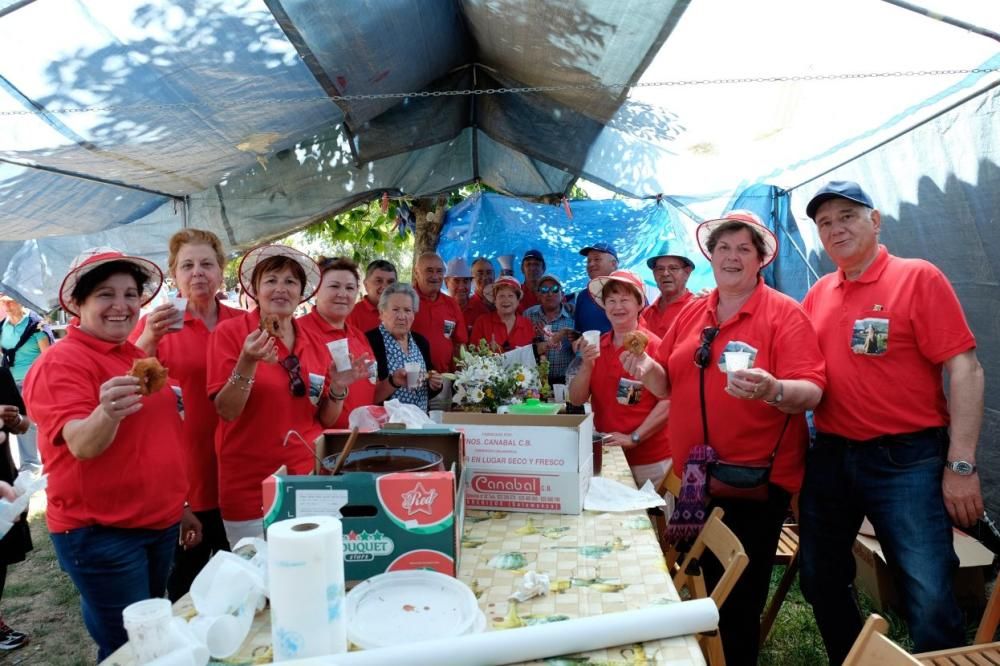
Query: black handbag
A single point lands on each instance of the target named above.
(746, 481)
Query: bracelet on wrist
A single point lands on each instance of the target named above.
(338, 397)
(241, 382)
(394, 384)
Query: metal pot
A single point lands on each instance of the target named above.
(385, 460)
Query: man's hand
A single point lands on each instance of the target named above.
(962, 498)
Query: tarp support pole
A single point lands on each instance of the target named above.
(93, 179)
(958, 23)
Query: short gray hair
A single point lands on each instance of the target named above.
(398, 288)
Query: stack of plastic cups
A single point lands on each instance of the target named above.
(148, 626)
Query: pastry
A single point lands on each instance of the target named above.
(635, 342)
(270, 324)
(152, 376)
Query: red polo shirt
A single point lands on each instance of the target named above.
(492, 329)
(612, 416)
(139, 480)
(528, 299)
(898, 388)
(252, 446)
(364, 316)
(474, 309)
(658, 321)
(432, 322)
(183, 354)
(362, 392)
(785, 345)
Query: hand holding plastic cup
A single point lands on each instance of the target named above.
(147, 624)
(736, 360)
(340, 354)
(593, 338)
(413, 371)
(181, 304)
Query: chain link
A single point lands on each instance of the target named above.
(794, 78)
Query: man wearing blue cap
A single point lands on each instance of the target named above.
(533, 268)
(671, 272)
(889, 444)
(601, 260)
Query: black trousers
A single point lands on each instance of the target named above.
(187, 563)
(758, 527)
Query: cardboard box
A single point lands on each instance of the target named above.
(873, 576)
(407, 520)
(535, 464)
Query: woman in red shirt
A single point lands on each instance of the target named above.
(195, 261)
(114, 457)
(274, 390)
(503, 329)
(630, 416)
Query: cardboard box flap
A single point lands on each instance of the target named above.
(971, 553)
(557, 420)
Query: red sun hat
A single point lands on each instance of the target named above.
(706, 228)
(489, 291)
(257, 254)
(90, 259)
(596, 286)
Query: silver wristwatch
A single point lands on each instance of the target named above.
(635, 437)
(961, 467)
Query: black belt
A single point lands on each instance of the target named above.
(825, 438)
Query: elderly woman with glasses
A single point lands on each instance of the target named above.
(397, 348)
(751, 418)
(273, 388)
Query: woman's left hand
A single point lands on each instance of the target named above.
(618, 439)
(434, 381)
(360, 368)
(191, 531)
(752, 384)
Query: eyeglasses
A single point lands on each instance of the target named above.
(294, 370)
(703, 354)
(554, 289)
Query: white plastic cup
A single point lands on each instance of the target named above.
(181, 304)
(147, 624)
(340, 354)
(436, 415)
(593, 338)
(222, 634)
(736, 360)
(412, 374)
(559, 392)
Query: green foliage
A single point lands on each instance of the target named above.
(363, 233)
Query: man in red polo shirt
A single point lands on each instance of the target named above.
(533, 268)
(482, 275)
(890, 445)
(379, 275)
(439, 318)
(671, 272)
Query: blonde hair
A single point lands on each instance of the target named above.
(193, 237)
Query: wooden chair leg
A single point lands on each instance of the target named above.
(774, 605)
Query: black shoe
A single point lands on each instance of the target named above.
(12, 640)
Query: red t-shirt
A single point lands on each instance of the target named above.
(364, 316)
(441, 322)
(528, 299)
(183, 354)
(252, 446)
(474, 309)
(608, 381)
(657, 321)
(139, 480)
(885, 337)
(777, 333)
(494, 331)
(362, 391)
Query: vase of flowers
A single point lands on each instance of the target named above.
(485, 380)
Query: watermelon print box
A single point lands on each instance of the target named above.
(392, 522)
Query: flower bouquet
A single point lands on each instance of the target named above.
(486, 380)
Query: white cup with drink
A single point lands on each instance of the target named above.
(181, 304)
(340, 354)
(413, 372)
(593, 338)
(736, 360)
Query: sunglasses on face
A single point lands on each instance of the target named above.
(703, 354)
(554, 289)
(294, 370)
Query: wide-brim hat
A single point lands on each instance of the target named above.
(651, 262)
(503, 281)
(628, 278)
(706, 228)
(258, 254)
(457, 268)
(90, 259)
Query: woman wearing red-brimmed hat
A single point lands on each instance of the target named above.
(749, 418)
(273, 388)
(114, 458)
(628, 415)
(503, 329)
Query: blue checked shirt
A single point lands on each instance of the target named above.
(559, 359)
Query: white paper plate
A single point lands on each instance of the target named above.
(402, 607)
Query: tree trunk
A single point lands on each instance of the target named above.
(429, 215)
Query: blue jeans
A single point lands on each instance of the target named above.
(895, 480)
(27, 445)
(112, 568)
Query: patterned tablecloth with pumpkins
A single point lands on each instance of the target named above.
(597, 563)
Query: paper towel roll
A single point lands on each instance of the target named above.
(544, 640)
(306, 584)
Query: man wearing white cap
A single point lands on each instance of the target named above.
(671, 272)
(458, 281)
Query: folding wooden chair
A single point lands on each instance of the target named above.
(723, 544)
(983, 651)
(991, 618)
(787, 555)
(671, 483)
(874, 648)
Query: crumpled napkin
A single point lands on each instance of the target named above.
(608, 495)
(533, 584)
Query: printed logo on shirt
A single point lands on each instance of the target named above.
(180, 399)
(315, 388)
(449, 328)
(629, 392)
(870, 336)
(737, 346)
